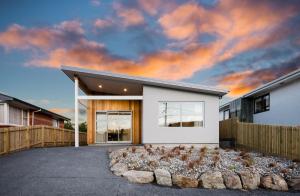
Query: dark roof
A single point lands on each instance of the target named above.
(22, 104)
(71, 72)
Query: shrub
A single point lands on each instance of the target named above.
(184, 157)
(203, 149)
(124, 154)
(215, 159)
(284, 171)
(272, 164)
(133, 149)
(181, 147)
(191, 164)
(152, 163)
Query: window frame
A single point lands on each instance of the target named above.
(224, 112)
(180, 115)
(266, 107)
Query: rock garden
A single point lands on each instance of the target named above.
(188, 166)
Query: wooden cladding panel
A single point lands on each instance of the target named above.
(114, 105)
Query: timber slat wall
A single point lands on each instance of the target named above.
(270, 139)
(18, 138)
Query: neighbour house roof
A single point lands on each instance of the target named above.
(281, 81)
(112, 83)
(24, 105)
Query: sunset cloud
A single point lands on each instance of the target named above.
(19, 37)
(151, 7)
(237, 27)
(242, 82)
(129, 16)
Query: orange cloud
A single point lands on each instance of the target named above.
(129, 16)
(240, 83)
(20, 37)
(238, 25)
(62, 111)
(150, 7)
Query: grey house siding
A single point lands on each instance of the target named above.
(153, 133)
(284, 106)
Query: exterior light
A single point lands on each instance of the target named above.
(100, 86)
(125, 89)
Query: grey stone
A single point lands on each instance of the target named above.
(250, 180)
(163, 177)
(184, 182)
(274, 182)
(232, 180)
(119, 169)
(212, 179)
(294, 183)
(139, 176)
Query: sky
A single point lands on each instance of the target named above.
(235, 45)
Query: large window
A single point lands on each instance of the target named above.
(18, 116)
(262, 103)
(15, 116)
(181, 114)
(1, 113)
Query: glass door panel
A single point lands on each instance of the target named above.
(112, 126)
(101, 127)
(124, 126)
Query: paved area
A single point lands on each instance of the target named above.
(80, 171)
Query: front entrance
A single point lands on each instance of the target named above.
(113, 127)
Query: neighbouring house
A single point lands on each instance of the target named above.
(276, 103)
(127, 109)
(15, 112)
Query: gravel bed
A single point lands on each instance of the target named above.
(193, 161)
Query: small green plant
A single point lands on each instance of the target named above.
(232, 167)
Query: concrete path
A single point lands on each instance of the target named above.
(80, 171)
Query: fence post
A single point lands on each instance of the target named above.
(27, 137)
(43, 136)
(6, 140)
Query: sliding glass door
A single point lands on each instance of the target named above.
(113, 127)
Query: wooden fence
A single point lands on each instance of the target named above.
(18, 138)
(275, 140)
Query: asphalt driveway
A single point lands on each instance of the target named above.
(80, 171)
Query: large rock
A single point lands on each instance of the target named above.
(163, 177)
(250, 180)
(294, 183)
(232, 180)
(274, 182)
(139, 176)
(184, 182)
(212, 179)
(119, 169)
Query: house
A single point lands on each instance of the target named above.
(275, 103)
(127, 109)
(15, 112)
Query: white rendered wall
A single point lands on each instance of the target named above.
(284, 106)
(153, 133)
